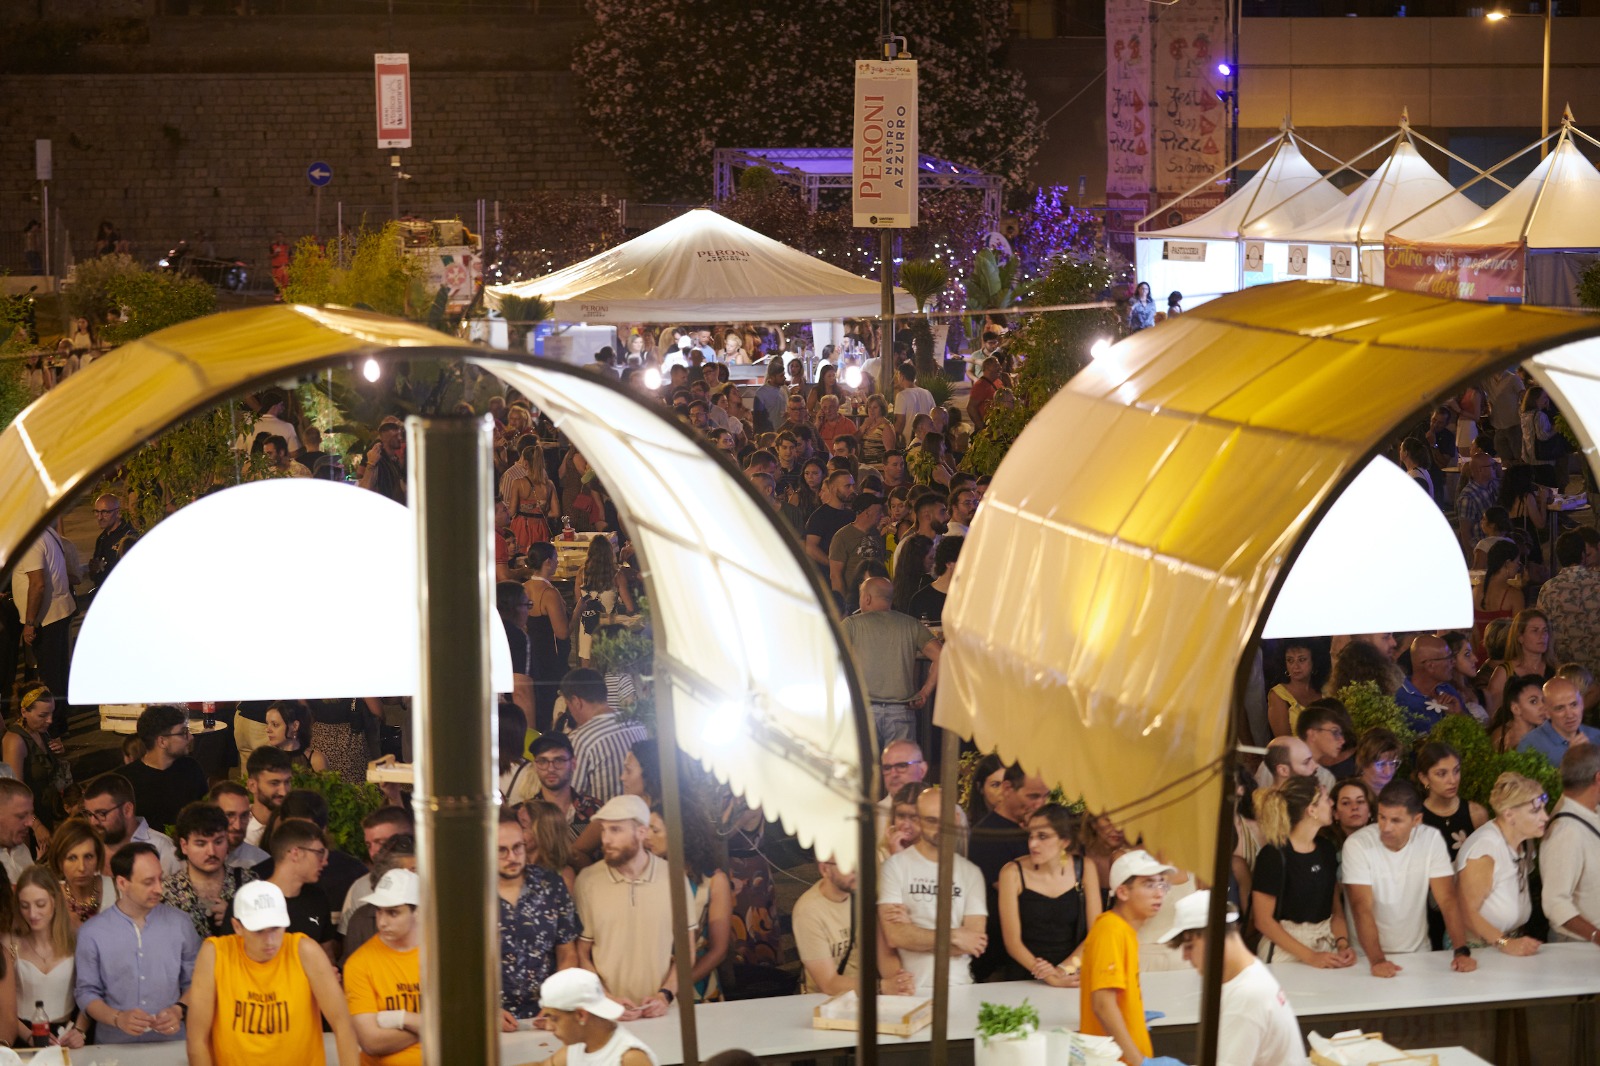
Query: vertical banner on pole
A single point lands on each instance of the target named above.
(883, 191)
(1129, 159)
(1190, 123)
(393, 78)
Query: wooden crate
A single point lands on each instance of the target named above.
(893, 1022)
(1370, 1050)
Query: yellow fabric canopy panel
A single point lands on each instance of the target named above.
(1133, 538)
(765, 693)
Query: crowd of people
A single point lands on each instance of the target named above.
(163, 901)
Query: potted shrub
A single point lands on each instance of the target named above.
(1009, 1036)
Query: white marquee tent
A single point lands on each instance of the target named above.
(702, 267)
(1405, 189)
(1202, 258)
(1553, 215)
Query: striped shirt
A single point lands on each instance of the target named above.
(599, 747)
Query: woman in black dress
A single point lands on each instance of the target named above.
(1047, 902)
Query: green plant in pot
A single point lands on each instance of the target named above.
(1009, 1036)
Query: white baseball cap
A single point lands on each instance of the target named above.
(1192, 912)
(578, 989)
(624, 808)
(260, 905)
(395, 888)
(1137, 863)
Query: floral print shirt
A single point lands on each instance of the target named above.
(530, 929)
(178, 891)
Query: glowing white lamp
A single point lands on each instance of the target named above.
(1099, 348)
(217, 602)
(852, 377)
(370, 370)
(1356, 575)
(652, 378)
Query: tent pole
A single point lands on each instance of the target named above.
(1347, 166)
(1470, 183)
(949, 760)
(866, 901)
(452, 720)
(672, 813)
(1436, 146)
(1221, 874)
(1212, 180)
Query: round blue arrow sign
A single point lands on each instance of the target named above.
(319, 174)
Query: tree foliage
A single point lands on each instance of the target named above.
(668, 81)
(548, 231)
(184, 463)
(372, 270)
(154, 300)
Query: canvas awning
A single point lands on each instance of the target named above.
(1287, 192)
(1404, 188)
(1555, 206)
(763, 688)
(1097, 621)
(702, 267)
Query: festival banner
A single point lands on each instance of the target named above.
(1129, 160)
(392, 71)
(1189, 124)
(1494, 273)
(884, 135)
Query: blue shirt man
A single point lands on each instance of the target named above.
(1427, 694)
(1564, 727)
(135, 959)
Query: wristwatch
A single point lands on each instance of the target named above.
(668, 993)
(1463, 952)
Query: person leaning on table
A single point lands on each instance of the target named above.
(1569, 858)
(1110, 1001)
(1261, 1029)
(1492, 866)
(577, 1011)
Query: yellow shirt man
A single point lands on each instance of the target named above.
(383, 978)
(1110, 1002)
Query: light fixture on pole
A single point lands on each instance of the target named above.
(1500, 14)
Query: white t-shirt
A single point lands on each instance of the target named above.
(1261, 1029)
(269, 424)
(1399, 882)
(45, 555)
(912, 402)
(1508, 906)
(909, 879)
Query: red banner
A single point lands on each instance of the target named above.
(392, 72)
(1494, 273)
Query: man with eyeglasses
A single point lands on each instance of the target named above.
(1427, 695)
(117, 535)
(377, 829)
(902, 763)
(108, 804)
(538, 924)
(552, 764)
(1110, 999)
(165, 779)
(1322, 729)
(908, 901)
(299, 855)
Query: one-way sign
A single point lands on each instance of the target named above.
(319, 174)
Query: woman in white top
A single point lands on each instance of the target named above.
(1493, 864)
(43, 949)
(601, 594)
(77, 856)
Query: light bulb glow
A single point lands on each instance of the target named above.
(1099, 348)
(852, 377)
(1495, 16)
(1225, 69)
(652, 378)
(370, 370)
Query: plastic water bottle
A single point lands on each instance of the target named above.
(39, 1035)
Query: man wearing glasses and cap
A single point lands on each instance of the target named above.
(262, 994)
(1110, 1001)
(1260, 1028)
(580, 1015)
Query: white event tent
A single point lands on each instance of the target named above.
(702, 267)
(1551, 219)
(1203, 258)
(1346, 241)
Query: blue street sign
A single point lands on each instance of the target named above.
(319, 174)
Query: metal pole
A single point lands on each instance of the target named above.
(45, 222)
(319, 213)
(1544, 100)
(1221, 873)
(866, 901)
(672, 811)
(885, 258)
(455, 799)
(949, 760)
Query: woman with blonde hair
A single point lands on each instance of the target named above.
(547, 837)
(76, 856)
(1529, 650)
(37, 759)
(43, 943)
(1492, 866)
(602, 589)
(1295, 896)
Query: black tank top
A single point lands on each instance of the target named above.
(1455, 829)
(1052, 928)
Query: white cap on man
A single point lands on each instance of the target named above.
(260, 905)
(1137, 863)
(396, 888)
(624, 808)
(1192, 912)
(579, 989)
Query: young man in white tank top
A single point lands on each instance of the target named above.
(585, 1020)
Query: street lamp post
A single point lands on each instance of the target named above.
(1500, 13)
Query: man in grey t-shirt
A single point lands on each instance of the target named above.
(854, 546)
(886, 644)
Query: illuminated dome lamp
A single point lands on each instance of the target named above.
(191, 613)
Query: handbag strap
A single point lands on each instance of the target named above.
(849, 949)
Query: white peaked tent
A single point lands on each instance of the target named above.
(1203, 258)
(1405, 189)
(702, 267)
(1553, 215)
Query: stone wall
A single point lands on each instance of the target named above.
(222, 158)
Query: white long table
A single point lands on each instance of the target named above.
(781, 1028)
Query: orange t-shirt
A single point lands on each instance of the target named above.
(1111, 961)
(379, 978)
(265, 1012)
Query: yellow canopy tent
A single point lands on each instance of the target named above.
(1097, 622)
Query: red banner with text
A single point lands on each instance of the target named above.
(1494, 273)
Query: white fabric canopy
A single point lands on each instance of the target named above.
(1556, 206)
(1403, 186)
(1285, 193)
(699, 267)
